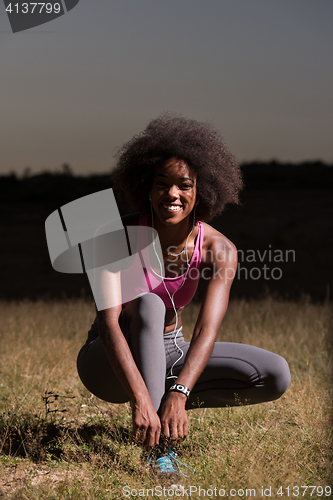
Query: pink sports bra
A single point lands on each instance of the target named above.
(182, 288)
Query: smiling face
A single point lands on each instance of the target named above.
(173, 192)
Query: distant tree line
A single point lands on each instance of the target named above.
(63, 186)
(276, 175)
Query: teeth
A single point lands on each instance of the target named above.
(174, 208)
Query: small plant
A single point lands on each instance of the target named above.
(50, 399)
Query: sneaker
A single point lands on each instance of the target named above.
(163, 462)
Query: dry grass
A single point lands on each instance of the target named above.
(58, 441)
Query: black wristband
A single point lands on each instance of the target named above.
(180, 388)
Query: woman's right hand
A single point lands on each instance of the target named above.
(146, 423)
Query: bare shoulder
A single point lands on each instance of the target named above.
(216, 246)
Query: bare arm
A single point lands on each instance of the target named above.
(213, 309)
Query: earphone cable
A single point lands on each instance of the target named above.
(170, 373)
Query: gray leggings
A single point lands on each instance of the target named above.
(235, 373)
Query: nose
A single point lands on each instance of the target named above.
(173, 191)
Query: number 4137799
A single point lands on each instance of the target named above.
(295, 491)
(32, 7)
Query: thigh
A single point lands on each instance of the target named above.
(238, 374)
(241, 363)
(228, 361)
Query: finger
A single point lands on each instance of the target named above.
(157, 437)
(174, 431)
(138, 438)
(180, 430)
(150, 438)
(135, 434)
(143, 436)
(165, 429)
(185, 429)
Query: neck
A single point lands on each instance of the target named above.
(174, 235)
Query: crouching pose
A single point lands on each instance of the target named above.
(177, 175)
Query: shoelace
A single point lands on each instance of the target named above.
(165, 465)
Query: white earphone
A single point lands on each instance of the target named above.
(170, 374)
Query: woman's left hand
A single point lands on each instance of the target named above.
(173, 417)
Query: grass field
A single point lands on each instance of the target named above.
(59, 442)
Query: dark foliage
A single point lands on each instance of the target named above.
(61, 188)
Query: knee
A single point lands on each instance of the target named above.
(151, 299)
(279, 377)
(150, 306)
(145, 310)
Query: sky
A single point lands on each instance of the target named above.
(75, 89)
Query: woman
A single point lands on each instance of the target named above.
(178, 174)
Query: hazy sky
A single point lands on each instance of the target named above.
(75, 89)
